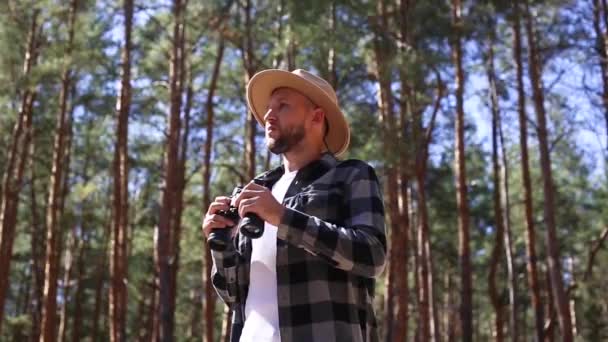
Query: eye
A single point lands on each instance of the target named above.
(283, 105)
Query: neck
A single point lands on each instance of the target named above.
(300, 156)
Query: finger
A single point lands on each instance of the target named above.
(254, 186)
(217, 206)
(247, 205)
(243, 195)
(222, 219)
(216, 222)
(222, 199)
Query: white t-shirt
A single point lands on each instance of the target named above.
(262, 308)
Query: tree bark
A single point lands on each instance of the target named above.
(594, 248)
(466, 277)
(387, 123)
(331, 53)
(250, 69)
(176, 220)
(72, 247)
(100, 275)
(513, 296)
(165, 314)
(209, 302)
(37, 246)
(403, 248)
(600, 14)
(494, 292)
(553, 259)
(78, 295)
(428, 316)
(533, 281)
(12, 180)
(55, 205)
(120, 219)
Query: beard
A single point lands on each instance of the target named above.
(291, 137)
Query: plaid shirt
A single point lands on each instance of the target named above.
(330, 246)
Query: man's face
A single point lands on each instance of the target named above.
(286, 119)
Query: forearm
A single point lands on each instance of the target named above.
(224, 274)
(359, 249)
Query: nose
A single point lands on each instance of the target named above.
(270, 116)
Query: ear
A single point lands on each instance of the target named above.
(318, 116)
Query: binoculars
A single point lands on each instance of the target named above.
(251, 226)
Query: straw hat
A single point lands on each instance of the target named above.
(262, 84)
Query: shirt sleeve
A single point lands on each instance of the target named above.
(228, 274)
(359, 246)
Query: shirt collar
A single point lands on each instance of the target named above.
(310, 172)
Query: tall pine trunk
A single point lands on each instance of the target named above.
(176, 215)
(494, 291)
(387, 121)
(428, 315)
(209, 301)
(12, 179)
(68, 263)
(402, 251)
(553, 260)
(55, 202)
(37, 246)
(511, 272)
(250, 69)
(165, 313)
(600, 15)
(466, 276)
(100, 277)
(79, 292)
(532, 270)
(120, 219)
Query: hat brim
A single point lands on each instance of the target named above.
(262, 84)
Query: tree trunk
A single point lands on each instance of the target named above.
(78, 295)
(72, 247)
(550, 325)
(466, 277)
(37, 246)
(428, 316)
(176, 220)
(452, 312)
(403, 248)
(424, 285)
(494, 292)
(209, 302)
(165, 312)
(54, 209)
(553, 259)
(100, 270)
(512, 284)
(150, 332)
(250, 69)
(195, 315)
(12, 179)
(525, 170)
(331, 53)
(387, 122)
(420, 309)
(120, 219)
(601, 47)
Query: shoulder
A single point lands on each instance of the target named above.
(357, 169)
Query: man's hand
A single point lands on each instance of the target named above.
(259, 200)
(213, 220)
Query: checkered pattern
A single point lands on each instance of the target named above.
(330, 246)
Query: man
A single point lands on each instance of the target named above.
(310, 277)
